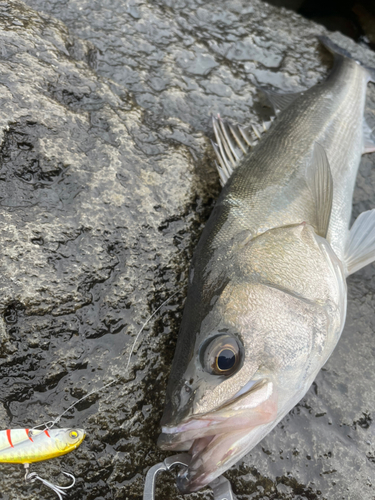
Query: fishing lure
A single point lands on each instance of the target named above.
(26, 446)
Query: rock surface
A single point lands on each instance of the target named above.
(90, 189)
(105, 185)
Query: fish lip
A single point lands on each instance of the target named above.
(222, 442)
(198, 474)
(202, 420)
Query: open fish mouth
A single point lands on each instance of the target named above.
(217, 439)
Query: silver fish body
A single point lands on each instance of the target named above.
(266, 301)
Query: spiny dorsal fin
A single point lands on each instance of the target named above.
(319, 180)
(279, 100)
(360, 247)
(232, 143)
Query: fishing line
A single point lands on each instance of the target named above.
(52, 423)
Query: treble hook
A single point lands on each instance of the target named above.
(31, 477)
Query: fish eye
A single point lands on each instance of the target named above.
(222, 356)
(73, 434)
(225, 359)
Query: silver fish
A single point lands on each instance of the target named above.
(266, 302)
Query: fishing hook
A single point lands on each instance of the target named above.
(220, 486)
(31, 477)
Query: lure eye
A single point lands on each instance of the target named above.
(73, 434)
(222, 356)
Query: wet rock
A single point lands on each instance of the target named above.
(190, 59)
(107, 194)
(89, 188)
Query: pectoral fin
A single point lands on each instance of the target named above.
(319, 180)
(360, 248)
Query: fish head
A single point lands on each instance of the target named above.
(267, 318)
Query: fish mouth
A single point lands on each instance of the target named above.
(218, 439)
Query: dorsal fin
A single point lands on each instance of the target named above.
(232, 143)
(319, 180)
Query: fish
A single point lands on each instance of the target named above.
(26, 446)
(267, 294)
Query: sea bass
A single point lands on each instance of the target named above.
(266, 302)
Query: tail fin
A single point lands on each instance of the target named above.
(337, 50)
(333, 47)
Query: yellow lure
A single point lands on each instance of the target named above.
(24, 446)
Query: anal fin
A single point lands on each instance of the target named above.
(360, 247)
